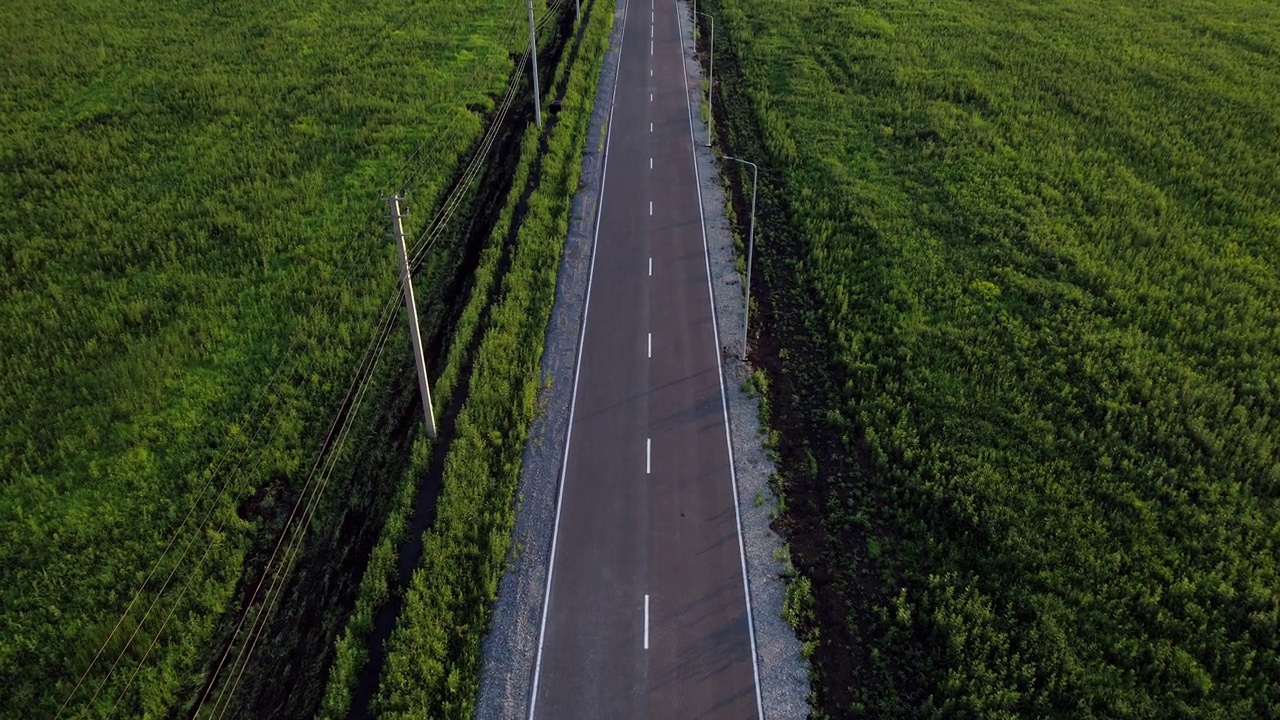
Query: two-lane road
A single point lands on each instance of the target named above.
(646, 611)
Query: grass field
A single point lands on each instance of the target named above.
(1020, 269)
(191, 243)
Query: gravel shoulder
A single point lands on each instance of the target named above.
(511, 645)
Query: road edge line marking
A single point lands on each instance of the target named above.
(724, 398)
(577, 369)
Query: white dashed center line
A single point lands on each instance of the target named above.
(646, 621)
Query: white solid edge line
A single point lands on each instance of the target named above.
(646, 621)
(724, 399)
(577, 371)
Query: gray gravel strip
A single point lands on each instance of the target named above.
(510, 647)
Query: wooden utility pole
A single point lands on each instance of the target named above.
(414, 335)
(533, 57)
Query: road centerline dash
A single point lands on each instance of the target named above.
(646, 621)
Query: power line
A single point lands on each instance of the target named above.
(177, 532)
(447, 210)
(291, 555)
(513, 30)
(274, 590)
(169, 546)
(508, 35)
(445, 213)
(327, 450)
(454, 200)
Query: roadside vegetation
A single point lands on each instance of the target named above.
(381, 575)
(501, 277)
(1019, 275)
(433, 657)
(192, 257)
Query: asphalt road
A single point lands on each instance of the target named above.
(646, 613)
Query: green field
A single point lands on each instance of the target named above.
(192, 258)
(1020, 272)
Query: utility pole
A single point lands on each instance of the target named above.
(423, 388)
(577, 5)
(751, 248)
(711, 74)
(533, 56)
(711, 86)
